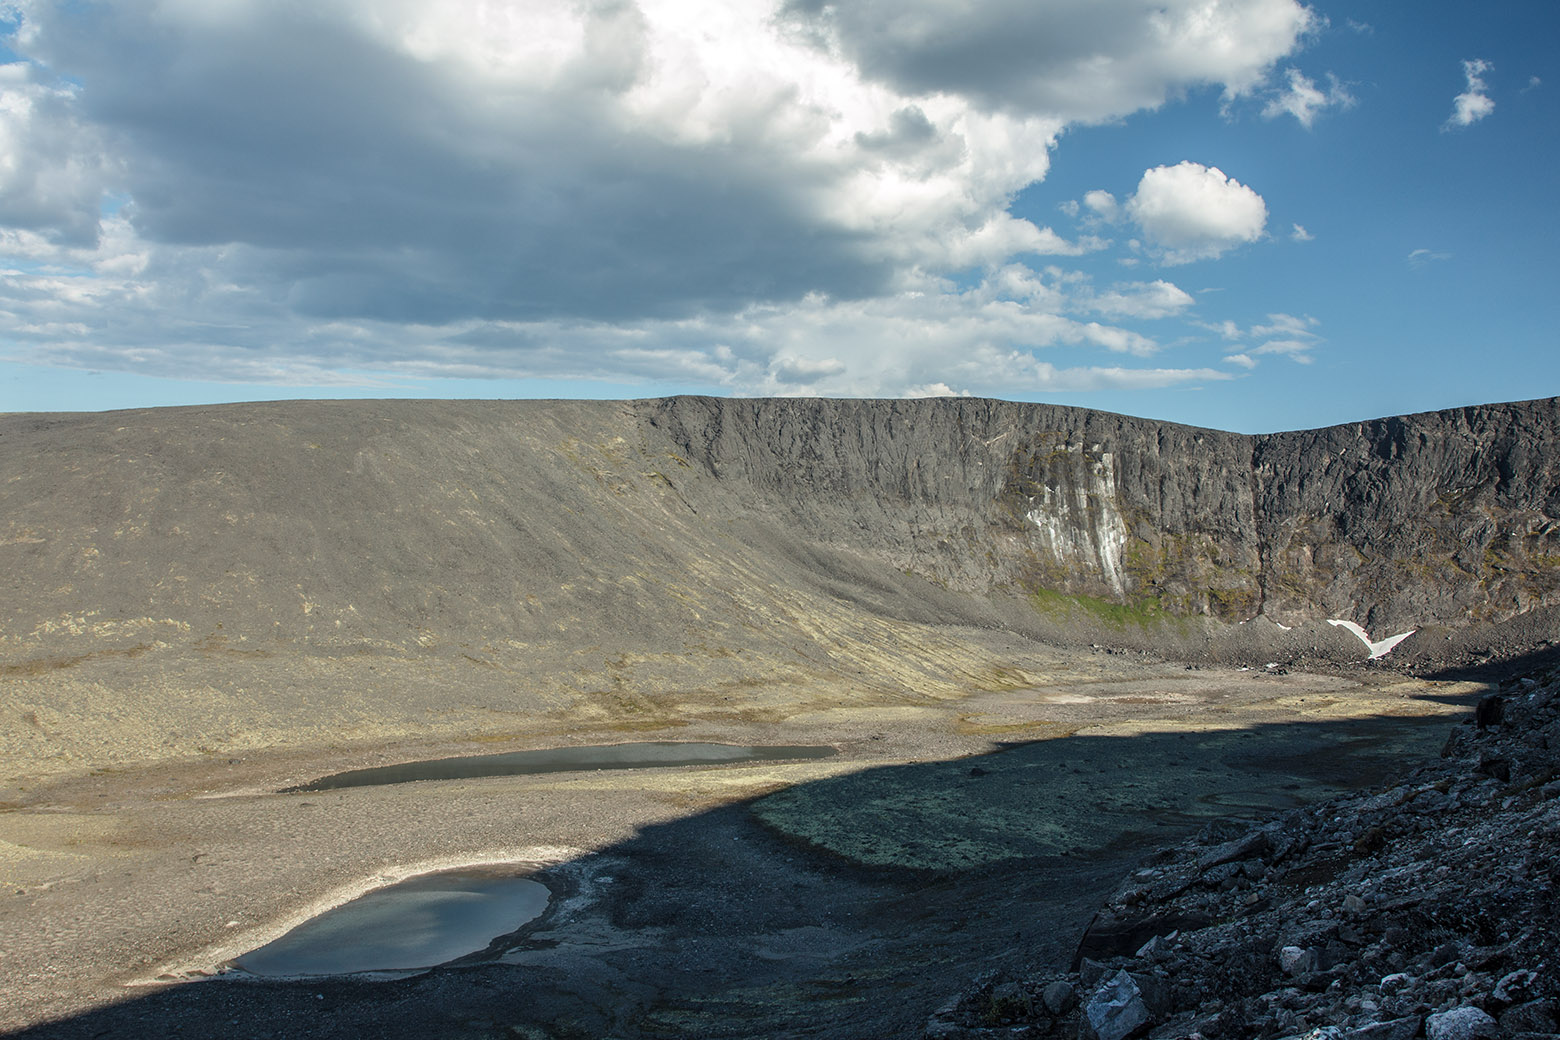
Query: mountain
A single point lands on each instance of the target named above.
(370, 567)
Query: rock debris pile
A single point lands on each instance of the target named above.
(1426, 909)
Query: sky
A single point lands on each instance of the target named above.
(1252, 215)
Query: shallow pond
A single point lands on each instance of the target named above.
(640, 755)
(420, 922)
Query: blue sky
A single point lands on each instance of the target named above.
(1245, 214)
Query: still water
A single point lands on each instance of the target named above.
(640, 755)
(420, 922)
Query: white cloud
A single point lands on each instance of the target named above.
(1300, 234)
(988, 339)
(1303, 99)
(1289, 325)
(1102, 205)
(804, 370)
(1474, 103)
(1194, 212)
(1421, 257)
(934, 390)
(746, 196)
(1283, 335)
(1298, 350)
(1142, 300)
(1225, 329)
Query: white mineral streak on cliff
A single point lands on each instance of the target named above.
(1085, 529)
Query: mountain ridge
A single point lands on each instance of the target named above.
(605, 559)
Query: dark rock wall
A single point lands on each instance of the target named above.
(1423, 518)
(1434, 518)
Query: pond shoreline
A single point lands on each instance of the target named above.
(684, 897)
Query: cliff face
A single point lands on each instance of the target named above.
(553, 528)
(1437, 518)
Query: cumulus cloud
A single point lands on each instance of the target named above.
(1300, 234)
(1194, 212)
(1078, 60)
(1102, 205)
(748, 196)
(53, 171)
(1303, 99)
(1474, 103)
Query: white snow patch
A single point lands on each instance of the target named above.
(1381, 647)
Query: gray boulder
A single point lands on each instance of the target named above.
(1116, 1011)
(1461, 1023)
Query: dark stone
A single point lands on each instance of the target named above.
(1489, 711)
(1536, 1016)
(1109, 936)
(1497, 766)
(1059, 997)
(1252, 844)
(1392, 1029)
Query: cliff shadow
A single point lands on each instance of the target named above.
(844, 907)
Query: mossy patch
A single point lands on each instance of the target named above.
(1142, 612)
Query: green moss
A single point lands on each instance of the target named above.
(1141, 612)
(1233, 603)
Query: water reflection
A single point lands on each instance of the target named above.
(418, 923)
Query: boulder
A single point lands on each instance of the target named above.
(1059, 997)
(1392, 1029)
(1116, 1011)
(1461, 1023)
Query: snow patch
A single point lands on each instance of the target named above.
(1381, 647)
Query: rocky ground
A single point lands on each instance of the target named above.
(1425, 908)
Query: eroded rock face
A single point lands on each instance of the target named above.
(1403, 522)
(1414, 520)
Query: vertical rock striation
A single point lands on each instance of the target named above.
(1435, 518)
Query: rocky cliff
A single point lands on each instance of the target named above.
(1432, 519)
(656, 525)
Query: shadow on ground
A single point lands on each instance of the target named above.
(847, 907)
